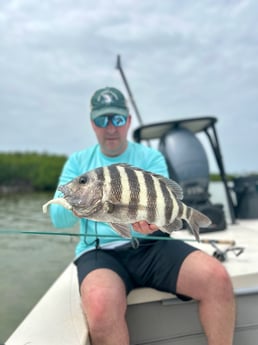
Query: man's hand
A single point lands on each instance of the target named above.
(144, 228)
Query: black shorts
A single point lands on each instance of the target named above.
(154, 263)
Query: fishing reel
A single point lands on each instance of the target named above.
(221, 255)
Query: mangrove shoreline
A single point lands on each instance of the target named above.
(22, 172)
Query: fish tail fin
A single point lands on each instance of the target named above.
(196, 221)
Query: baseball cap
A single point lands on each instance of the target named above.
(108, 100)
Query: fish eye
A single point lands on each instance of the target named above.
(83, 180)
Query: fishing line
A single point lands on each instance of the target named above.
(113, 237)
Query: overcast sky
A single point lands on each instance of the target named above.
(182, 59)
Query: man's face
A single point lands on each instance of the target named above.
(112, 140)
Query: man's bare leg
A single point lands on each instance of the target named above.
(205, 279)
(104, 303)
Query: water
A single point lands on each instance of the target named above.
(29, 264)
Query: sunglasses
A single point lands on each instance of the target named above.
(104, 120)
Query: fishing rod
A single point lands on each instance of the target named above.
(116, 237)
(219, 254)
(119, 67)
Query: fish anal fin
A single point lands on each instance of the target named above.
(196, 221)
(123, 229)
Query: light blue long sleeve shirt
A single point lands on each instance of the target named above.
(82, 161)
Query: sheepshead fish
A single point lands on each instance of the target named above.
(120, 195)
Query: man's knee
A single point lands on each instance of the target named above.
(96, 303)
(222, 281)
(217, 280)
(203, 276)
(103, 297)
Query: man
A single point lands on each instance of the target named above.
(109, 269)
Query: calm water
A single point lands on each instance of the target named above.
(29, 264)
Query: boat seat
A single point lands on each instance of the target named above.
(145, 295)
(240, 283)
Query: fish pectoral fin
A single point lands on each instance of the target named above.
(123, 229)
(176, 225)
(108, 207)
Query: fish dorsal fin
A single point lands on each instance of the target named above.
(171, 184)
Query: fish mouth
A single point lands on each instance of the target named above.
(65, 190)
(60, 189)
(76, 202)
(68, 196)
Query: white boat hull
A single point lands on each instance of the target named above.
(173, 322)
(153, 317)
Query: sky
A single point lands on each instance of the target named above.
(182, 59)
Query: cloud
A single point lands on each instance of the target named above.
(182, 59)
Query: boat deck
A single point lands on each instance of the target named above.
(245, 234)
(58, 319)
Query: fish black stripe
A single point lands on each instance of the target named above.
(100, 174)
(180, 209)
(188, 212)
(151, 198)
(167, 200)
(116, 185)
(134, 188)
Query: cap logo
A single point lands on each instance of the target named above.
(107, 97)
